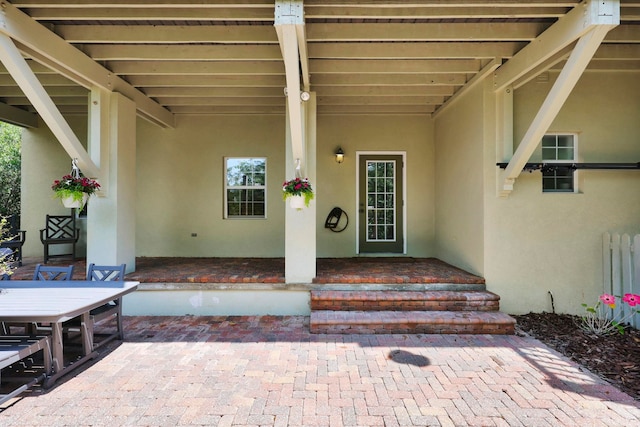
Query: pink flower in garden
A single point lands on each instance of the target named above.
(609, 300)
(631, 299)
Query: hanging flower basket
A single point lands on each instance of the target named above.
(299, 192)
(72, 202)
(74, 191)
(296, 202)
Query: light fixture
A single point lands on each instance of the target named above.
(305, 96)
(339, 155)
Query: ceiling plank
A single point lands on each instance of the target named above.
(388, 79)
(465, 11)
(198, 67)
(216, 92)
(173, 52)
(486, 31)
(202, 13)
(414, 50)
(220, 80)
(167, 33)
(410, 66)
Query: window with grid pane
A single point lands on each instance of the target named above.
(246, 183)
(558, 148)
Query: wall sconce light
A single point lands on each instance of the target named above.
(339, 155)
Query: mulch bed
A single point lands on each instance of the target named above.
(615, 358)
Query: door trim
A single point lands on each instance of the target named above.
(404, 198)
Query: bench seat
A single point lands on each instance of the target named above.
(14, 348)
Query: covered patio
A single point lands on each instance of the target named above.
(354, 271)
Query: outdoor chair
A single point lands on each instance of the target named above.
(48, 273)
(44, 272)
(13, 239)
(102, 273)
(60, 230)
(4, 327)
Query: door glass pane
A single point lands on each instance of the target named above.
(381, 187)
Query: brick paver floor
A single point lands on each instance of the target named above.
(270, 371)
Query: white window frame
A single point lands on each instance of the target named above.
(243, 187)
(556, 160)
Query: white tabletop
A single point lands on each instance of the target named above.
(59, 301)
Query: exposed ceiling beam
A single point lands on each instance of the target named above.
(173, 52)
(409, 66)
(198, 67)
(209, 81)
(600, 23)
(167, 33)
(47, 48)
(288, 15)
(388, 79)
(567, 30)
(414, 50)
(486, 31)
(28, 82)
(18, 116)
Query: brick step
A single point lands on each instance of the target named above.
(404, 300)
(411, 322)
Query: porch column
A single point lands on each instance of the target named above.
(300, 225)
(111, 217)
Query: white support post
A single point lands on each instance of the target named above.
(300, 225)
(111, 224)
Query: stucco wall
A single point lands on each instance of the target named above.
(180, 175)
(459, 183)
(180, 187)
(44, 160)
(537, 242)
(337, 186)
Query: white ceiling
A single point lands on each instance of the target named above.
(223, 57)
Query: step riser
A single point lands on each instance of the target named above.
(404, 301)
(408, 312)
(406, 305)
(416, 329)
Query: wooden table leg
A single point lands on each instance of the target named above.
(56, 347)
(86, 330)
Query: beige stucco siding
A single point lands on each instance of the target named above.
(537, 242)
(181, 187)
(180, 174)
(337, 182)
(459, 183)
(43, 161)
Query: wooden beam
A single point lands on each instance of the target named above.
(132, 68)
(26, 79)
(174, 52)
(288, 15)
(565, 31)
(409, 66)
(558, 94)
(18, 116)
(414, 50)
(478, 78)
(57, 54)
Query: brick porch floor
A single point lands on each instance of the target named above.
(271, 270)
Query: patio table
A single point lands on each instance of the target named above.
(32, 301)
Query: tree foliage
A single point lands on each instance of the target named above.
(10, 137)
